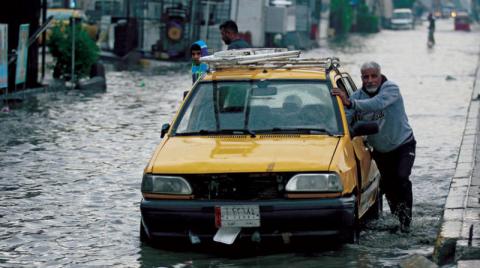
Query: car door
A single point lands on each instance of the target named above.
(363, 153)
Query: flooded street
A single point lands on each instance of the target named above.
(71, 163)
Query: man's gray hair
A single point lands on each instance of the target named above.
(370, 65)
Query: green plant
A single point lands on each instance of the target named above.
(60, 46)
(403, 3)
(366, 21)
(341, 16)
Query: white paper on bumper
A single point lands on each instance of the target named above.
(227, 235)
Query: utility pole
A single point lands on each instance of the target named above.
(436, 7)
(475, 9)
(44, 36)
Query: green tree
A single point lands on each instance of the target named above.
(341, 16)
(403, 3)
(60, 46)
(366, 21)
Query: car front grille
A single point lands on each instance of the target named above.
(238, 186)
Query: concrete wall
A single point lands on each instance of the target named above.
(383, 8)
(250, 16)
(324, 20)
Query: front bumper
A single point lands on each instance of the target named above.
(295, 218)
(401, 26)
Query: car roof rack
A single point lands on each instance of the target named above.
(261, 58)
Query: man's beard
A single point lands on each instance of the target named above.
(371, 89)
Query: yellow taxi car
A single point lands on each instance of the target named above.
(61, 16)
(260, 150)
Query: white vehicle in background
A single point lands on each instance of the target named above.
(402, 18)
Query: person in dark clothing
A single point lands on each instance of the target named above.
(379, 100)
(431, 30)
(230, 36)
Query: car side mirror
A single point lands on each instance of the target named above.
(185, 93)
(365, 128)
(165, 129)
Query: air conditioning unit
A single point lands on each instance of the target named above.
(280, 19)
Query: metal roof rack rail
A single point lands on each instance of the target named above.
(257, 58)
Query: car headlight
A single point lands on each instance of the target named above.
(165, 185)
(321, 182)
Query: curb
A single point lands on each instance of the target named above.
(53, 87)
(456, 239)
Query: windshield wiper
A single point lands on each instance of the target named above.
(237, 131)
(297, 131)
(217, 132)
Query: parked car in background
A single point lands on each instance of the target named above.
(62, 16)
(259, 151)
(448, 10)
(402, 18)
(462, 21)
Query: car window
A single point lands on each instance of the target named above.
(401, 15)
(264, 107)
(462, 20)
(60, 15)
(343, 84)
(349, 80)
(107, 6)
(347, 85)
(66, 14)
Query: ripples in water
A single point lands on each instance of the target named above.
(71, 162)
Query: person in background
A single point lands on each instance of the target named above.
(379, 100)
(230, 36)
(197, 50)
(431, 30)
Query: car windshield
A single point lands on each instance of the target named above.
(260, 107)
(107, 6)
(401, 15)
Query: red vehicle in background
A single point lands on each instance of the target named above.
(462, 21)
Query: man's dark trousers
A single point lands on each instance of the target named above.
(395, 168)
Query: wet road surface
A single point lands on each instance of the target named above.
(71, 163)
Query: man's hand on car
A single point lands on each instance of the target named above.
(343, 96)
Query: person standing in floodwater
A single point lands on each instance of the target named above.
(197, 50)
(379, 100)
(431, 30)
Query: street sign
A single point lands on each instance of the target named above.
(3, 55)
(22, 54)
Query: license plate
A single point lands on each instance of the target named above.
(237, 216)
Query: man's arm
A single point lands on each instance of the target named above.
(387, 95)
(343, 96)
(350, 113)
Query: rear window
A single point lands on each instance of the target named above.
(107, 6)
(66, 14)
(304, 107)
(401, 15)
(462, 20)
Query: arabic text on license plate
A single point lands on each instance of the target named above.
(237, 216)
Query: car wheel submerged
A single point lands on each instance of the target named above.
(353, 233)
(143, 234)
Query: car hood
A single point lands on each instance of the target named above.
(274, 153)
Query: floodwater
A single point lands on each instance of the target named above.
(71, 163)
